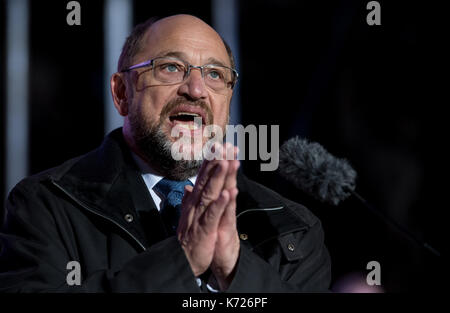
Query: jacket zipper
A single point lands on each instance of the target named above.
(264, 209)
(96, 213)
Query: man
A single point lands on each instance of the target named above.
(135, 219)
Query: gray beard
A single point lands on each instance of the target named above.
(154, 145)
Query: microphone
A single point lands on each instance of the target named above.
(313, 170)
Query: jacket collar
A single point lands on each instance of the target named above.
(108, 182)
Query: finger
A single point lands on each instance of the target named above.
(185, 223)
(192, 198)
(214, 186)
(215, 152)
(229, 215)
(230, 152)
(188, 189)
(187, 213)
(231, 156)
(203, 177)
(206, 170)
(212, 215)
(236, 153)
(187, 194)
(231, 179)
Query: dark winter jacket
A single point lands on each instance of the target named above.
(87, 210)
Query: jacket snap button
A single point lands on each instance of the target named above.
(291, 247)
(243, 236)
(129, 218)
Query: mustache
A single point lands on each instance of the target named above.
(171, 105)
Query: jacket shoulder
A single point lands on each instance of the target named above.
(56, 172)
(36, 184)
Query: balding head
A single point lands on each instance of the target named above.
(154, 29)
(182, 22)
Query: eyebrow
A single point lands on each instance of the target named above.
(183, 56)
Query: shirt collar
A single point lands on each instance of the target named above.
(151, 177)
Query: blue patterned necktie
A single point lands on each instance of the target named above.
(173, 192)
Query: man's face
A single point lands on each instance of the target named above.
(157, 110)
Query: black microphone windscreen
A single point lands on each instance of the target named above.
(315, 171)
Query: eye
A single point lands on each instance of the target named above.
(215, 74)
(171, 67)
(168, 67)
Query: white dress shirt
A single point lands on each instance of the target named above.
(151, 179)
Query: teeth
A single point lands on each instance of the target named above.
(188, 126)
(186, 113)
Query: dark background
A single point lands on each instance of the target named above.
(369, 94)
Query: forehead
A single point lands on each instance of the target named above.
(188, 36)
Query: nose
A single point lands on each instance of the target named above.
(194, 86)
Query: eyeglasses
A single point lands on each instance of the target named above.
(171, 71)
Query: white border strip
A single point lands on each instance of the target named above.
(118, 22)
(225, 20)
(16, 113)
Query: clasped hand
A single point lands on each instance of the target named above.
(207, 227)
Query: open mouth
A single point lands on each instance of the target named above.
(191, 121)
(188, 117)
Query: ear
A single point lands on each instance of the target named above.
(119, 93)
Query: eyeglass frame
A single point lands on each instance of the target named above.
(189, 67)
